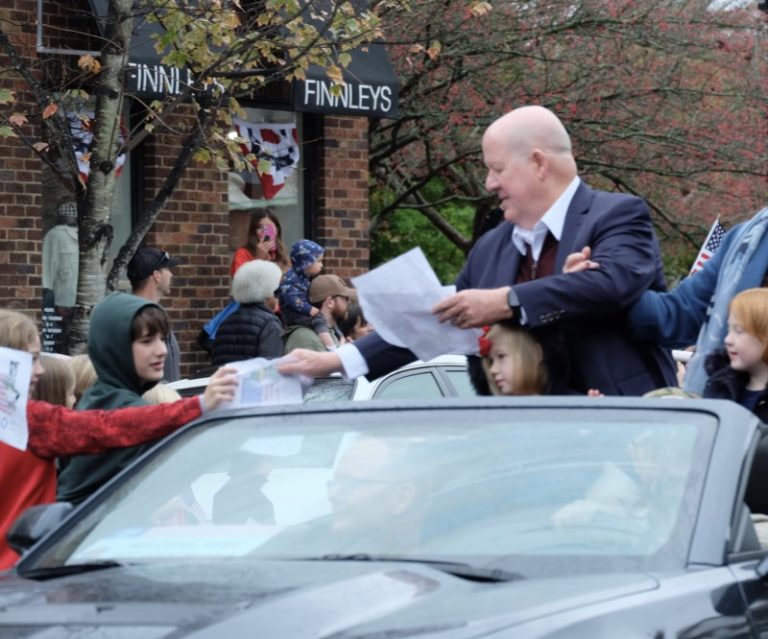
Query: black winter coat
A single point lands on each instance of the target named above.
(726, 383)
(251, 331)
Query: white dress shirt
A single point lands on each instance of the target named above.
(353, 362)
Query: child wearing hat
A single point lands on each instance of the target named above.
(293, 294)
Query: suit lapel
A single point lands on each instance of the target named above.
(573, 220)
(509, 262)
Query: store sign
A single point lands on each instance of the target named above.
(370, 87)
(155, 79)
(364, 98)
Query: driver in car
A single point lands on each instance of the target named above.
(378, 495)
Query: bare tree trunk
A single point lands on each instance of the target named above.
(95, 228)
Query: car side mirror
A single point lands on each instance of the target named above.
(35, 523)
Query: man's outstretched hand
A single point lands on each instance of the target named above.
(302, 361)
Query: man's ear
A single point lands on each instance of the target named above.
(156, 275)
(540, 161)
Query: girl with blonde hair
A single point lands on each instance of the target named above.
(512, 361)
(85, 374)
(57, 383)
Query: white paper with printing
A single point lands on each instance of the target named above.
(260, 384)
(15, 373)
(397, 298)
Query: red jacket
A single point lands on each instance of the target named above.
(28, 478)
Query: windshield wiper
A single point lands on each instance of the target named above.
(455, 568)
(66, 570)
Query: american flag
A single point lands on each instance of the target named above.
(711, 244)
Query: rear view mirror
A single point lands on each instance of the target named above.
(35, 523)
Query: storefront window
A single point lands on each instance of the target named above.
(60, 254)
(276, 181)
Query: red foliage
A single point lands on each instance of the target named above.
(660, 98)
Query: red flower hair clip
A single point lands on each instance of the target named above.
(485, 343)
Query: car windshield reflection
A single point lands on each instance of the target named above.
(412, 484)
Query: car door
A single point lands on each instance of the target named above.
(749, 563)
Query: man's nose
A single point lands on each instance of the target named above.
(491, 184)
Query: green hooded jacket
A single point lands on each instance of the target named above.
(111, 350)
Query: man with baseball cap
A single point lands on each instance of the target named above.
(331, 296)
(149, 272)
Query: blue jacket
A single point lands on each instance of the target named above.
(675, 318)
(585, 310)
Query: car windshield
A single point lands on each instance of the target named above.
(497, 487)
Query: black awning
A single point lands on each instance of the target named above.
(371, 88)
(145, 76)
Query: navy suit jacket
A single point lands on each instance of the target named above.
(586, 311)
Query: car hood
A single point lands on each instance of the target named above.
(289, 599)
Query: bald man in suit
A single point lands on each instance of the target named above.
(515, 271)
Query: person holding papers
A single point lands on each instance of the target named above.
(56, 430)
(515, 271)
(126, 343)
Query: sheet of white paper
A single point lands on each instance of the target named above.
(15, 373)
(260, 384)
(396, 299)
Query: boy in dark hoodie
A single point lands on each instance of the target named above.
(293, 294)
(126, 343)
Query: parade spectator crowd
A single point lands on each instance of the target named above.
(568, 288)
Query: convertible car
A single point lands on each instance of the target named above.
(498, 518)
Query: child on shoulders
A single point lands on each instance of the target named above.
(307, 262)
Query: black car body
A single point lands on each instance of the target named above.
(536, 517)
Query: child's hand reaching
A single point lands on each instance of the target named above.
(593, 392)
(221, 388)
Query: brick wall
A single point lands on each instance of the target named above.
(342, 211)
(20, 182)
(194, 225)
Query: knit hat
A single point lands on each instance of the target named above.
(304, 253)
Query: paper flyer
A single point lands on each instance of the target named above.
(260, 384)
(397, 299)
(15, 374)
